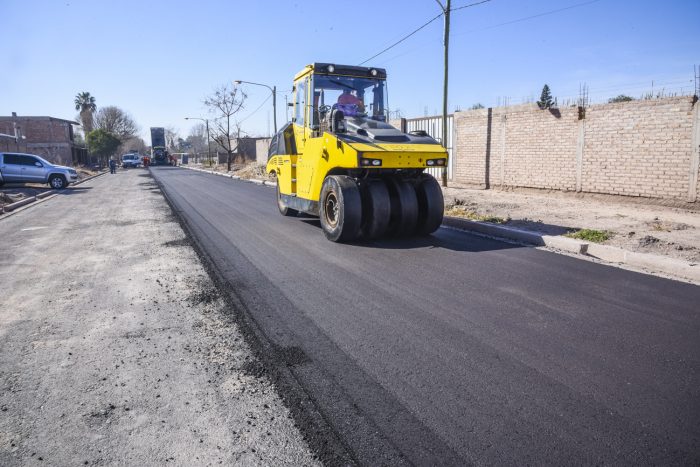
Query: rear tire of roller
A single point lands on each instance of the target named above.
(376, 208)
(340, 208)
(404, 207)
(431, 204)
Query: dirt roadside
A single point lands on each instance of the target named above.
(116, 349)
(634, 224)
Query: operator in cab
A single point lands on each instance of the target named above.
(347, 99)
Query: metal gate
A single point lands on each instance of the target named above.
(433, 126)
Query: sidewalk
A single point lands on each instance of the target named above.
(634, 224)
(116, 349)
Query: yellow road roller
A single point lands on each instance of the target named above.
(340, 159)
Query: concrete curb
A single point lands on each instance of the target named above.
(647, 262)
(523, 236)
(11, 208)
(610, 254)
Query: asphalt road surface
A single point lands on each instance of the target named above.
(456, 349)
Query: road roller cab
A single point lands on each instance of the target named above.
(341, 160)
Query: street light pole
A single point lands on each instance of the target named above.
(205, 120)
(273, 90)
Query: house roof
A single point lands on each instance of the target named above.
(40, 117)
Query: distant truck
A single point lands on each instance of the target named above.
(159, 153)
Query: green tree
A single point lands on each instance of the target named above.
(545, 101)
(85, 104)
(102, 144)
(620, 98)
(477, 106)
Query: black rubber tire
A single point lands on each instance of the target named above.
(376, 208)
(404, 207)
(431, 204)
(57, 182)
(284, 209)
(340, 208)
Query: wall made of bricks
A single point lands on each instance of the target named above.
(638, 148)
(470, 149)
(47, 137)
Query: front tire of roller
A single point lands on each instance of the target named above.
(404, 207)
(340, 208)
(431, 204)
(376, 209)
(284, 209)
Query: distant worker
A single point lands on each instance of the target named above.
(112, 166)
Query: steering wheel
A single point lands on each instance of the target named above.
(324, 109)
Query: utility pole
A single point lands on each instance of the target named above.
(446, 41)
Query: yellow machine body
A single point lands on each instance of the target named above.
(317, 153)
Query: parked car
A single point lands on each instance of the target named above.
(131, 160)
(29, 168)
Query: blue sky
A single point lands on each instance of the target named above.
(159, 60)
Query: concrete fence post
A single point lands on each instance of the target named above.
(502, 148)
(580, 141)
(694, 156)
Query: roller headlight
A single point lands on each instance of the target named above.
(371, 162)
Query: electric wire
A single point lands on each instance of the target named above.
(256, 109)
(401, 40)
(525, 18)
(470, 5)
(421, 27)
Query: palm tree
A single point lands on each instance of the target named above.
(85, 104)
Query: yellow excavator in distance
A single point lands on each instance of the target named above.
(339, 159)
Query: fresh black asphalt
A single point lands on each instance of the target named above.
(456, 349)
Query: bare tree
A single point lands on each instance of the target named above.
(133, 144)
(171, 138)
(198, 139)
(117, 122)
(223, 105)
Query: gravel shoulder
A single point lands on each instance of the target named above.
(636, 224)
(115, 348)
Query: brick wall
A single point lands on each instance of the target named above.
(640, 148)
(48, 137)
